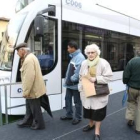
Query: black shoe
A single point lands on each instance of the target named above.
(130, 123)
(23, 124)
(76, 121)
(137, 132)
(65, 118)
(96, 137)
(88, 128)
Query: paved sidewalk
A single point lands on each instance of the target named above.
(113, 127)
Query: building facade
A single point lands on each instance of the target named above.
(3, 25)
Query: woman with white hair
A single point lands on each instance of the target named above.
(98, 71)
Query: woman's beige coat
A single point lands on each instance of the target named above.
(103, 75)
(32, 81)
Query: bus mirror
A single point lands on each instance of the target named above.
(51, 10)
(39, 25)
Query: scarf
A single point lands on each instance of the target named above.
(92, 66)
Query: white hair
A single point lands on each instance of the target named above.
(92, 47)
(25, 48)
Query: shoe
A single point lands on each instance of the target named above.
(88, 128)
(137, 132)
(130, 123)
(97, 137)
(37, 128)
(65, 118)
(23, 124)
(75, 121)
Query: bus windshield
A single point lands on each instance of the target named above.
(9, 40)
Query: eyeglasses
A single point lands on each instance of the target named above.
(91, 52)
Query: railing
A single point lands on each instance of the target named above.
(6, 107)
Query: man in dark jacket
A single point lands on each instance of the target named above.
(131, 77)
(71, 84)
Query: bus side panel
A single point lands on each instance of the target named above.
(135, 29)
(91, 14)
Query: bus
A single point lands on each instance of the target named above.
(47, 26)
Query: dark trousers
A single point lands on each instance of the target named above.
(33, 114)
(77, 102)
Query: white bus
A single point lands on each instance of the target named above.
(47, 26)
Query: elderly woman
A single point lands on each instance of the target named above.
(97, 70)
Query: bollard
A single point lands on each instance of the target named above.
(6, 112)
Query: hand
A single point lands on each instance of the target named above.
(92, 79)
(25, 96)
(80, 88)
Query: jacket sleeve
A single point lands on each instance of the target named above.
(75, 77)
(80, 87)
(28, 78)
(106, 74)
(126, 74)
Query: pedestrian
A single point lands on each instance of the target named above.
(33, 88)
(71, 84)
(131, 77)
(98, 71)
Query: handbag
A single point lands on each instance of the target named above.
(94, 89)
(101, 89)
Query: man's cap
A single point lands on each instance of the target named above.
(21, 45)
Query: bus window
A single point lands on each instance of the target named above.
(44, 47)
(117, 48)
(47, 53)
